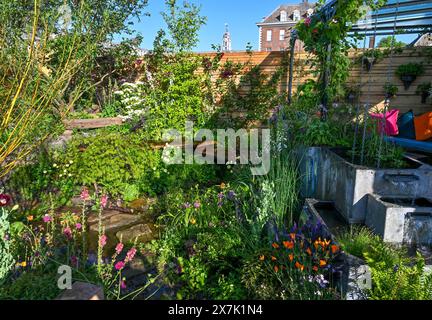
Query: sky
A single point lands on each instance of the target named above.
(241, 16)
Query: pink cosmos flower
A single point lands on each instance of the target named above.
(46, 218)
(119, 265)
(85, 194)
(131, 254)
(78, 226)
(104, 201)
(67, 232)
(103, 240)
(119, 248)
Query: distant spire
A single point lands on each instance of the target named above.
(226, 43)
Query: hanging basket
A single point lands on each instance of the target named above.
(407, 80)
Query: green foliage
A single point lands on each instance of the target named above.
(114, 162)
(390, 41)
(410, 69)
(6, 257)
(390, 89)
(41, 285)
(424, 88)
(394, 275)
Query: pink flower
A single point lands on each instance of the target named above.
(119, 248)
(67, 232)
(78, 226)
(103, 240)
(119, 265)
(308, 21)
(123, 284)
(85, 194)
(4, 200)
(104, 201)
(131, 254)
(46, 218)
(197, 205)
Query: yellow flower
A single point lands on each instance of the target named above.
(30, 218)
(193, 221)
(261, 257)
(222, 185)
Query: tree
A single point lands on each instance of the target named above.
(386, 42)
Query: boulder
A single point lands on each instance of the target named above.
(82, 291)
(141, 232)
(116, 222)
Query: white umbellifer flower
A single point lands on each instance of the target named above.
(69, 175)
(45, 172)
(71, 161)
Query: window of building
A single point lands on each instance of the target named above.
(296, 15)
(269, 35)
(269, 49)
(282, 35)
(283, 16)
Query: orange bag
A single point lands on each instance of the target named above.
(423, 126)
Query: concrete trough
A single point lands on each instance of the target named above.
(400, 220)
(354, 277)
(328, 176)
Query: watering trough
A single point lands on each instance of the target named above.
(353, 277)
(401, 220)
(328, 176)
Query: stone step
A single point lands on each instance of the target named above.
(116, 222)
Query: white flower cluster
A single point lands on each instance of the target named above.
(132, 97)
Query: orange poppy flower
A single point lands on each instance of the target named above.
(293, 236)
(315, 268)
(288, 244)
(299, 266)
(291, 257)
(309, 251)
(276, 268)
(322, 263)
(273, 258)
(316, 244)
(334, 248)
(261, 257)
(275, 245)
(30, 218)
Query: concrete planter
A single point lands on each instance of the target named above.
(402, 222)
(328, 176)
(353, 277)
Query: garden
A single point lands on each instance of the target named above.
(89, 197)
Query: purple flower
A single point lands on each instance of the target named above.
(4, 200)
(231, 195)
(187, 205)
(78, 226)
(197, 205)
(46, 218)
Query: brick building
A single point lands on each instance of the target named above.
(275, 29)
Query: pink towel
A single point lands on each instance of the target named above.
(391, 117)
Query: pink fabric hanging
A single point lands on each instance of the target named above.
(391, 117)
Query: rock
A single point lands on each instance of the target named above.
(82, 291)
(141, 232)
(136, 267)
(106, 214)
(356, 278)
(61, 141)
(142, 204)
(116, 222)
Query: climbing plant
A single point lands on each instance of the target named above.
(326, 37)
